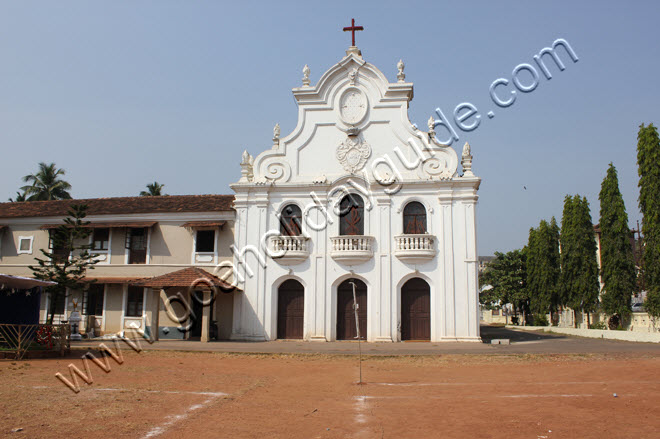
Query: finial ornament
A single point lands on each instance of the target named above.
(466, 160)
(305, 78)
(431, 124)
(247, 162)
(276, 136)
(401, 76)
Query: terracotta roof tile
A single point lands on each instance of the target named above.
(112, 280)
(202, 224)
(188, 277)
(121, 205)
(107, 225)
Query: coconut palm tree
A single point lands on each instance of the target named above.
(153, 190)
(46, 184)
(19, 197)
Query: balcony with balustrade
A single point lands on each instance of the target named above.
(415, 249)
(352, 249)
(289, 250)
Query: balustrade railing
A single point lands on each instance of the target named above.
(414, 242)
(350, 243)
(284, 244)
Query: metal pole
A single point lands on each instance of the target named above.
(357, 328)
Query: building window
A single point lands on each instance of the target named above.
(291, 221)
(205, 241)
(100, 239)
(351, 215)
(58, 243)
(414, 218)
(134, 302)
(136, 244)
(496, 312)
(93, 300)
(25, 244)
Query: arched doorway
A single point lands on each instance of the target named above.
(345, 316)
(416, 310)
(290, 310)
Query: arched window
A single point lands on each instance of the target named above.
(414, 218)
(351, 215)
(291, 221)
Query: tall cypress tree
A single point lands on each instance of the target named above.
(617, 263)
(579, 266)
(648, 162)
(543, 268)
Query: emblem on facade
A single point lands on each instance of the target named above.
(353, 153)
(353, 106)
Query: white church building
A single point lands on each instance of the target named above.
(356, 199)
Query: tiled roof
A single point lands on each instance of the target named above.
(106, 225)
(112, 280)
(188, 277)
(202, 224)
(121, 205)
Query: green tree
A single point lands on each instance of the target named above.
(153, 190)
(46, 184)
(506, 275)
(579, 266)
(68, 258)
(616, 260)
(648, 162)
(19, 197)
(543, 268)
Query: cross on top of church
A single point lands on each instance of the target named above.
(352, 29)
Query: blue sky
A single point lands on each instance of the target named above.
(123, 93)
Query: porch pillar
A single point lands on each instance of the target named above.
(206, 316)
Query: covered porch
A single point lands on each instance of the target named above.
(191, 304)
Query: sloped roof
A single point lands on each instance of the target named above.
(120, 205)
(23, 283)
(187, 277)
(113, 280)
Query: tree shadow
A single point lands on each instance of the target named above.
(489, 333)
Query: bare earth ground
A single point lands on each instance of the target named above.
(168, 394)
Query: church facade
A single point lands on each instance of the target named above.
(356, 204)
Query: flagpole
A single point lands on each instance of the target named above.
(357, 328)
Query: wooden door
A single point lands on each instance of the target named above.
(290, 310)
(345, 315)
(415, 310)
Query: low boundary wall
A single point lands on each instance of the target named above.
(646, 337)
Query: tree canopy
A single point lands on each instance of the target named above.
(543, 268)
(616, 260)
(579, 266)
(46, 184)
(648, 162)
(153, 190)
(506, 274)
(67, 259)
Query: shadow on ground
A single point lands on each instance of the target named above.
(489, 333)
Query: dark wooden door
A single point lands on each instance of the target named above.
(345, 316)
(416, 310)
(290, 310)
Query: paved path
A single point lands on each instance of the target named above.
(522, 342)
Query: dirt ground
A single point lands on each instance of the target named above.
(217, 395)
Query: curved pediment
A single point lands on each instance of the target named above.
(351, 122)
